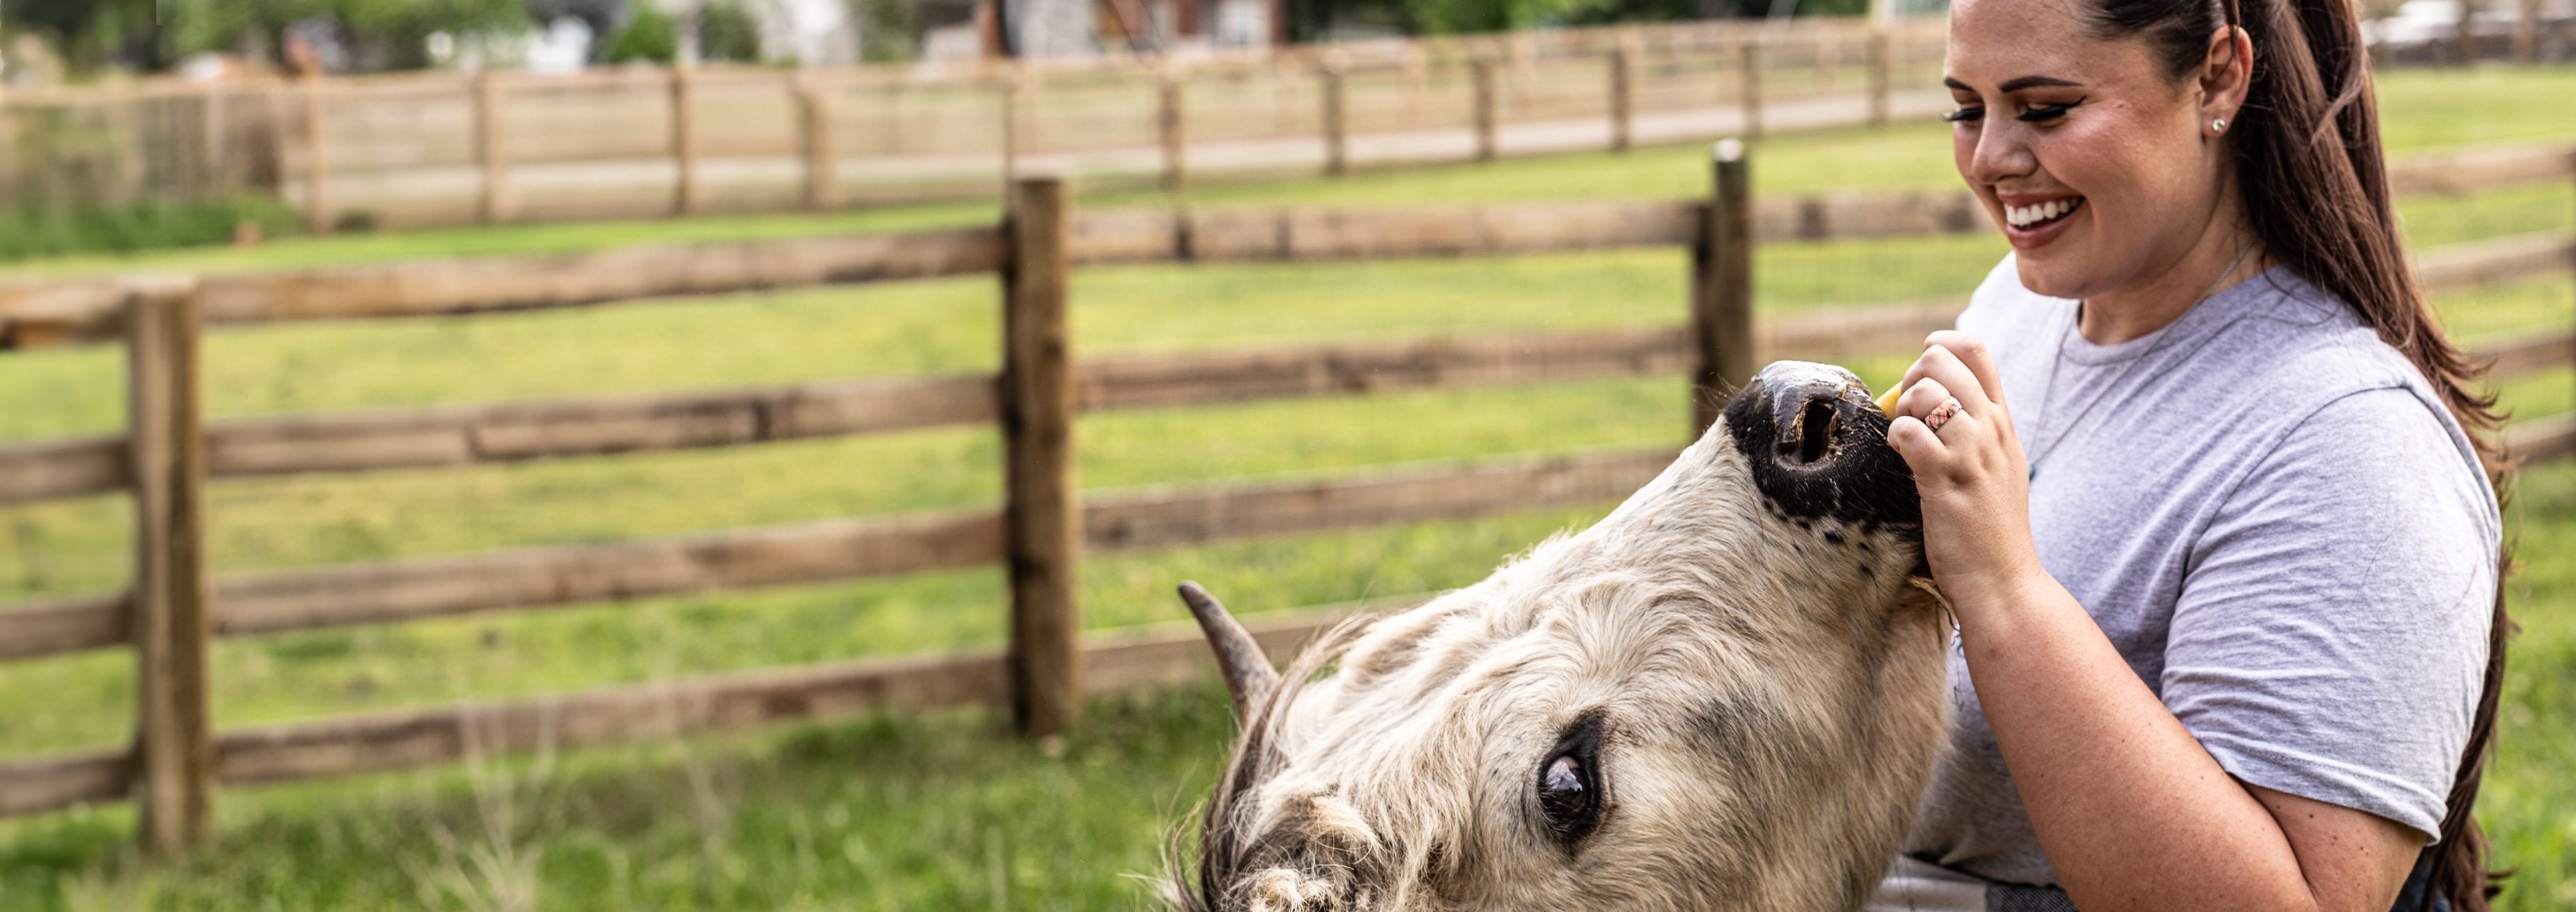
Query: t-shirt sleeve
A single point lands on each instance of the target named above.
(2330, 640)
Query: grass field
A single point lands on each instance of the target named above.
(945, 811)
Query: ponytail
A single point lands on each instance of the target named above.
(2306, 145)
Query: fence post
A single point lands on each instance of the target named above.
(491, 151)
(814, 122)
(2464, 38)
(1175, 136)
(1623, 94)
(1722, 289)
(174, 738)
(1337, 150)
(2526, 32)
(317, 160)
(1483, 72)
(1010, 125)
(684, 153)
(1042, 514)
(1882, 61)
(1752, 88)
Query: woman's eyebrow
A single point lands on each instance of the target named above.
(2031, 82)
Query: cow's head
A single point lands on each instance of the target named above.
(1724, 695)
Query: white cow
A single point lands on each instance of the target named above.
(1725, 695)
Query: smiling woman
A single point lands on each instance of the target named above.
(2229, 633)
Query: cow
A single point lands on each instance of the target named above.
(1727, 694)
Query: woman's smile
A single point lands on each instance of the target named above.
(2033, 220)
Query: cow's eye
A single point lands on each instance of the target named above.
(1569, 785)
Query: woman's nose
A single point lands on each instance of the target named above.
(2002, 151)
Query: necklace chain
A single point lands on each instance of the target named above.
(2049, 392)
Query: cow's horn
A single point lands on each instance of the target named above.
(1248, 675)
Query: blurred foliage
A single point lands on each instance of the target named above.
(380, 34)
(726, 31)
(44, 231)
(91, 32)
(888, 29)
(650, 36)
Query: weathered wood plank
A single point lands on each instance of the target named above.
(2499, 260)
(572, 574)
(2541, 439)
(174, 742)
(1161, 655)
(38, 313)
(63, 468)
(1154, 518)
(1249, 234)
(66, 625)
(596, 425)
(2484, 168)
(2527, 355)
(40, 784)
(458, 435)
(1224, 376)
(1721, 284)
(1042, 510)
(837, 549)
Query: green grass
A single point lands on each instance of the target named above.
(943, 811)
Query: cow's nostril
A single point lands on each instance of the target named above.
(1815, 433)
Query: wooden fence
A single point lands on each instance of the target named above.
(445, 148)
(169, 453)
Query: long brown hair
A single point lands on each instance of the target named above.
(2307, 140)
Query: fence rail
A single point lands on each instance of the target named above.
(177, 606)
(433, 148)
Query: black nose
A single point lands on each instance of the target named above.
(1818, 446)
(1810, 406)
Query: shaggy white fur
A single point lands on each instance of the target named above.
(1736, 677)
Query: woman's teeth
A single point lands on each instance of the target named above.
(2035, 213)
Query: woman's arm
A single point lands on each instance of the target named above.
(2132, 812)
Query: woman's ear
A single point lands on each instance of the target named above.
(2225, 76)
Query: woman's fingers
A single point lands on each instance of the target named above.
(1972, 353)
(1939, 364)
(1921, 398)
(1921, 449)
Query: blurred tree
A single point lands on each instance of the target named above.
(727, 31)
(90, 33)
(605, 18)
(648, 36)
(888, 29)
(380, 34)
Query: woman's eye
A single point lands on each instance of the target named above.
(2045, 113)
(1965, 115)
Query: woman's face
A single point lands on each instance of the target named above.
(2102, 171)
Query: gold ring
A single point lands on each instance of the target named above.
(1941, 414)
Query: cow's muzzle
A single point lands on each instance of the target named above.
(1817, 445)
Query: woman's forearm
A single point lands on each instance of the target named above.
(2133, 813)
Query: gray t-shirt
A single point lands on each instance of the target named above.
(2277, 523)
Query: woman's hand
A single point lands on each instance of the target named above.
(1971, 473)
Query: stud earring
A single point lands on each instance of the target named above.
(2218, 126)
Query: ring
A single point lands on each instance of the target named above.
(1941, 414)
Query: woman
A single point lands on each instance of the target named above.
(2202, 481)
